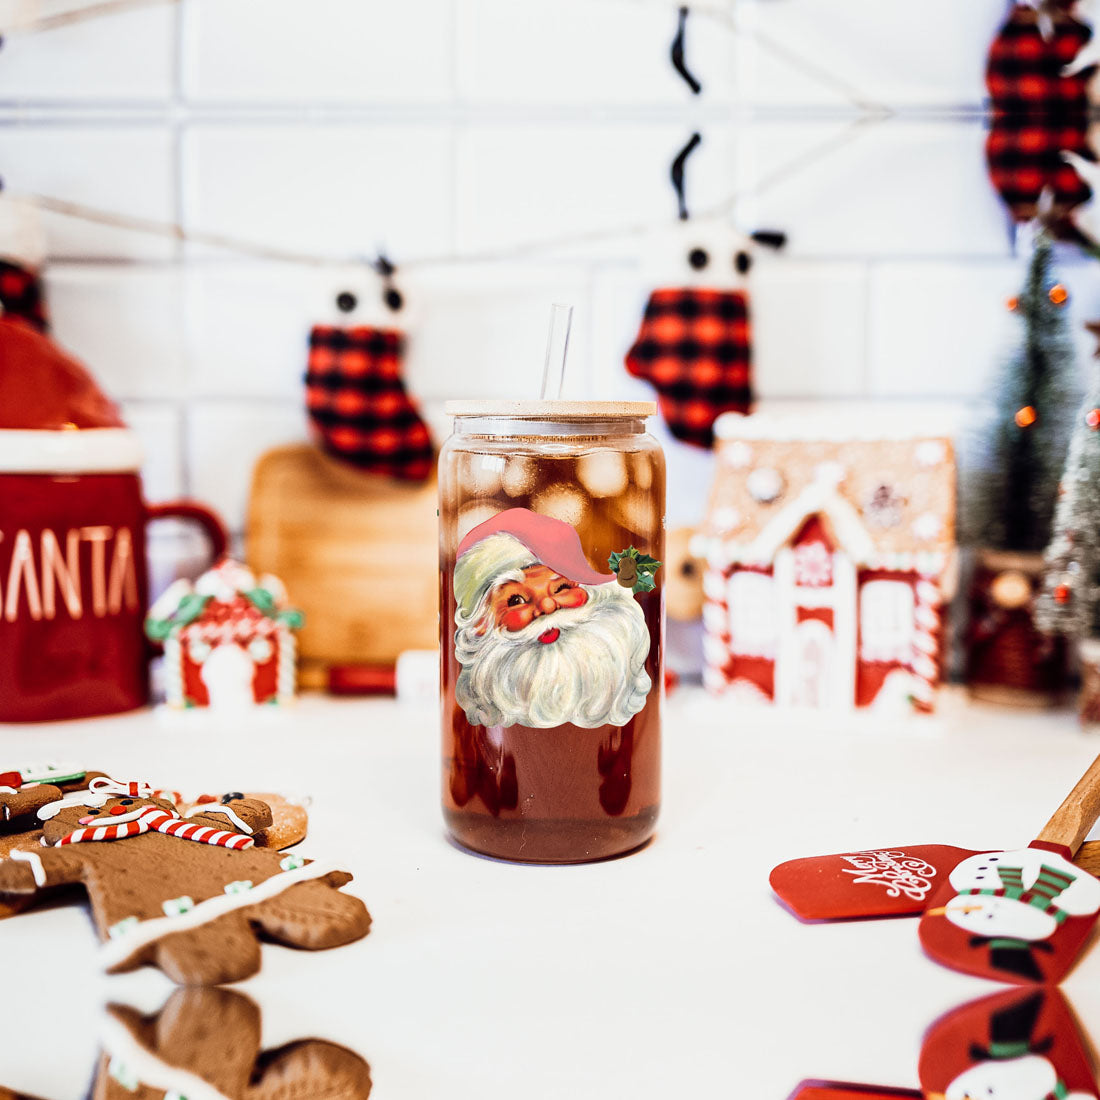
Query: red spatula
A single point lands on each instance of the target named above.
(1020, 916)
(895, 881)
(1021, 1044)
(839, 1090)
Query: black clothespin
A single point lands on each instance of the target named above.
(390, 294)
(346, 301)
(677, 54)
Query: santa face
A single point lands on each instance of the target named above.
(516, 603)
(993, 916)
(541, 651)
(1028, 1078)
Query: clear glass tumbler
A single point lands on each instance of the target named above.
(551, 628)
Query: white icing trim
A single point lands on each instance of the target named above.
(118, 950)
(817, 497)
(86, 451)
(35, 861)
(222, 809)
(94, 796)
(51, 773)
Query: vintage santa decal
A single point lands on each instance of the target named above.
(542, 638)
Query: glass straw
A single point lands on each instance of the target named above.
(557, 344)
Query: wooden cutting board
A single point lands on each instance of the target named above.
(358, 553)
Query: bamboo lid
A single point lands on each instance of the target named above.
(552, 410)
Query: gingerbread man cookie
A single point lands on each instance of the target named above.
(189, 895)
(206, 1042)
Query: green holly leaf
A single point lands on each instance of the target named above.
(262, 600)
(644, 569)
(292, 617)
(190, 608)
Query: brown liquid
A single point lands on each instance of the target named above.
(566, 794)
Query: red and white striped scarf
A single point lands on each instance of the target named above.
(162, 822)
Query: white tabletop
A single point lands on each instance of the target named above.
(672, 972)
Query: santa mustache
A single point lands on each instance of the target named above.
(564, 619)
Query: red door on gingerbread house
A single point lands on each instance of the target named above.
(815, 593)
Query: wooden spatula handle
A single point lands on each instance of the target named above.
(1088, 857)
(1076, 816)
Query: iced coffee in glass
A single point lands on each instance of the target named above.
(551, 611)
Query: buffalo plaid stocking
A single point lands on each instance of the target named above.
(694, 347)
(358, 403)
(21, 295)
(1038, 112)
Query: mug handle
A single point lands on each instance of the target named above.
(191, 510)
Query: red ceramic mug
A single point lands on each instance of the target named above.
(73, 575)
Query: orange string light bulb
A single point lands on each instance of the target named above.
(1026, 416)
(1058, 294)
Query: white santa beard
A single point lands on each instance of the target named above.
(1029, 1077)
(593, 674)
(995, 917)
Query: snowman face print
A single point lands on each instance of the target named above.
(1028, 1078)
(993, 916)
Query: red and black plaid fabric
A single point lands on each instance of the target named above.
(21, 295)
(358, 403)
(1037, 114)
(694, 347)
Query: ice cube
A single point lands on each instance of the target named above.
(602, 473)
(637, 512)
(518, 476)
(482, 475)
(562, 502)
(474, 513)
(642, 470)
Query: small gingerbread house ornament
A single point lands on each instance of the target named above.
(228, 639)
(828, 539)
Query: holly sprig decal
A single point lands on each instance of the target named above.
(634, 569)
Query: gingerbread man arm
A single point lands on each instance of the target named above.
(314, 915)
(15, 806)
(240, 815)
(30, 869)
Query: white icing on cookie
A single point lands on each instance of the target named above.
(224, 811)
(35, 861)
(120, 1044)
(95, 796)
(121, 947)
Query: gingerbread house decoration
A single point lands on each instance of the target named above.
(228, 639)
(827, 541)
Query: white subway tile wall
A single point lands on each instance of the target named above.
(513, 153)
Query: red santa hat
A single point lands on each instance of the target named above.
(516, 539)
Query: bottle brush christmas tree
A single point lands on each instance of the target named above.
(1008, 498)
(1014, 487)
(1070, 601)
